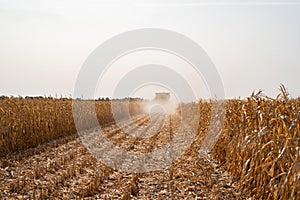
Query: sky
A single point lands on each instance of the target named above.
(253, 44)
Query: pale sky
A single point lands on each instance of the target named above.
(254, 45)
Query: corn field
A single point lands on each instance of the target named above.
(27, 123)
(256, 157)
(260, 146)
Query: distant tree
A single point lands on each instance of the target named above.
(3, 97)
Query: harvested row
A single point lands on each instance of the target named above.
(49, 172)
(69, 171)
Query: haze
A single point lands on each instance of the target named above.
(254, 45)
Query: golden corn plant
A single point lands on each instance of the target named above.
(260, 145)
(26, 123)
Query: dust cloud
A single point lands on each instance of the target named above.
(158, 107)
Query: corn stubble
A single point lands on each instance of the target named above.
(256, 157)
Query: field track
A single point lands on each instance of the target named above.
(65, 169)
